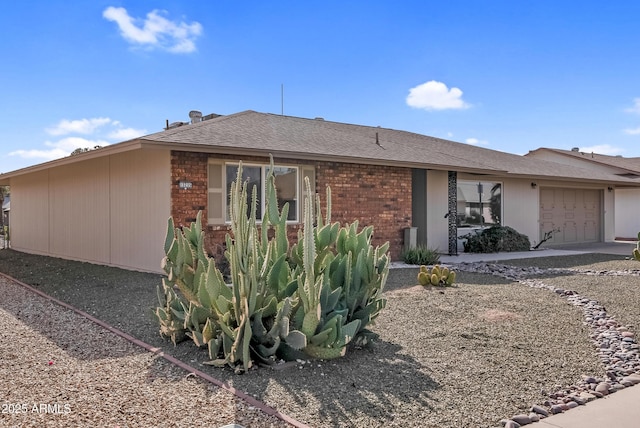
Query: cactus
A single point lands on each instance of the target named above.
(436, 276)
(636, 251)
(424, 278)
(231, 320)
(311, 299)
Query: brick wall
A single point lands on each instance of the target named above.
(185, 203)
(374, 195)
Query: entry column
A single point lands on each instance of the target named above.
(452, 213)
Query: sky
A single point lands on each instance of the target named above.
(505, 75)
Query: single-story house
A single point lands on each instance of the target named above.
(627, 200)
(110, 205)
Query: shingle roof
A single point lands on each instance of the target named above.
(250, 132)
(295, 137)
(630, 165)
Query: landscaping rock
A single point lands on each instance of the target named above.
(539, 410)
(521, 419)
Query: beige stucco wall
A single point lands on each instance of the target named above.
(521, 204)
(616, 219)
(627, 216)
(521, 207)
(110, 210)
(609, 215)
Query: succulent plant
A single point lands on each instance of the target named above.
(436, 276)
(636, 251)
(311, 299)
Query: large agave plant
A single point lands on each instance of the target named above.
(311, 299)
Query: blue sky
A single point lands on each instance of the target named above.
(509, 76)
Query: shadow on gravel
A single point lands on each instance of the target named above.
(370, 381)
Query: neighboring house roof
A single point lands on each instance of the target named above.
(253, 133)
(626, 165)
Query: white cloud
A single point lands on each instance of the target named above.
(59, 149)
(98, 132)
(476, 142)
(602, 149)
(635, 108)
(124, 134)
(632, 131)
(155, 31)
(81, 126)
(435, 95)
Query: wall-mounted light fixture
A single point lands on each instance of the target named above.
(534, 185)
(609, 189)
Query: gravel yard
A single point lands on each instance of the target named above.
(469, 355)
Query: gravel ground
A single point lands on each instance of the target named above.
(59, 370)
(464, 356)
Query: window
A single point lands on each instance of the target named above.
(286, 180)
(253, 176)
(479, 203)
(289, 181)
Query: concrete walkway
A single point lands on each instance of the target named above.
(617, 248)
(619, 410)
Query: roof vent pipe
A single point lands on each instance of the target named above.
(195, 116)
(575, 149)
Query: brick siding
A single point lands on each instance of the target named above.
(374, 195)
(185, 203)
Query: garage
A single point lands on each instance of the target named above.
(575, 213)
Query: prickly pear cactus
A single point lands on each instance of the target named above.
(436, 276)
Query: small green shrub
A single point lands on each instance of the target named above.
(420, 255)
(496, 239)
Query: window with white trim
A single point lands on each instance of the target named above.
(479, 203)
(289, 181)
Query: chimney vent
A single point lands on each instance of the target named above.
(195, 116)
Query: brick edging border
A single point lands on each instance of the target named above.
(159, 352)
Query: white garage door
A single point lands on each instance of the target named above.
(575, 212)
